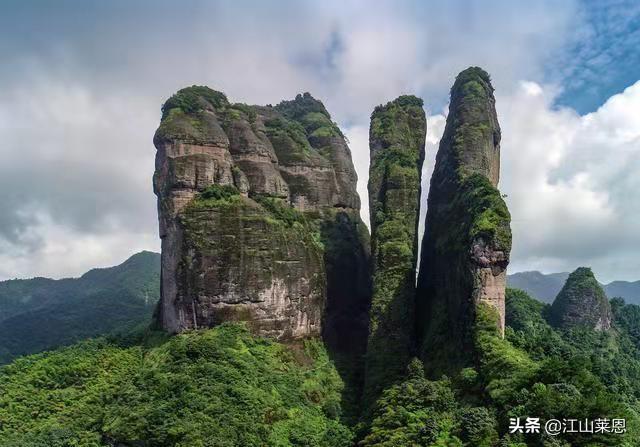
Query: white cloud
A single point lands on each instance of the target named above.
(571, 182)
(358, 137)
(75, 182)
(70, 253)
(78, 110)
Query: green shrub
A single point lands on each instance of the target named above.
(216, 196)
(416, 412)
(193, 99)
(579, 373)
(219, 192)
(280, 210)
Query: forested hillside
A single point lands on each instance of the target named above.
(38, 314)
(224, 387)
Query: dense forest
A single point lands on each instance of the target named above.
(225, 387)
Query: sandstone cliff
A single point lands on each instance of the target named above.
(396, 140)
(465, 249)
(250, 200)
(582, 302)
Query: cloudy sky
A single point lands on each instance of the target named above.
(83, 82)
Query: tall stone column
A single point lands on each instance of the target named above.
(465, 249)
(397, 143)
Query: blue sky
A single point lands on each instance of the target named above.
(603, 58)
(83, 82)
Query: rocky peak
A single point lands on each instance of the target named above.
(325, 137)
(397, 143)
(582, 302)
(303, 104)
(465, 249)
(258, 213)
(471, 140)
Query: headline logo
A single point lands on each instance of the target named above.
(555, 427)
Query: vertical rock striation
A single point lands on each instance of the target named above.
(325, 188)
(397, 139)
(582, 302)
(247, 199)
(465, 249)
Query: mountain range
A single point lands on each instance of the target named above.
(545, 287)
(41, 313)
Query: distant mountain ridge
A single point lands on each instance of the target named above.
(40, 313)
(545, 287)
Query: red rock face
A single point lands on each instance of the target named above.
(231, 260)
(490, 277)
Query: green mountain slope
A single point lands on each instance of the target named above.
(224, 387)
(537, 371)
(543, 287)
(220, 387)
(39, 314)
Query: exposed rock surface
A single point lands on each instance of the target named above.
(465, 250)
(248, 200)
(396, 140)
(582, 302)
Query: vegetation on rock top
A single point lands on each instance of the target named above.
(472, 75)
(302, 105)
(194, 99)
(399, 125)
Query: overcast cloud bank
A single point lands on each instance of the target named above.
(82, 99)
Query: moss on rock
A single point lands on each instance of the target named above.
(258, 262)
(480, 212)
(397, 138)
(467, 238)
(582, 302)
